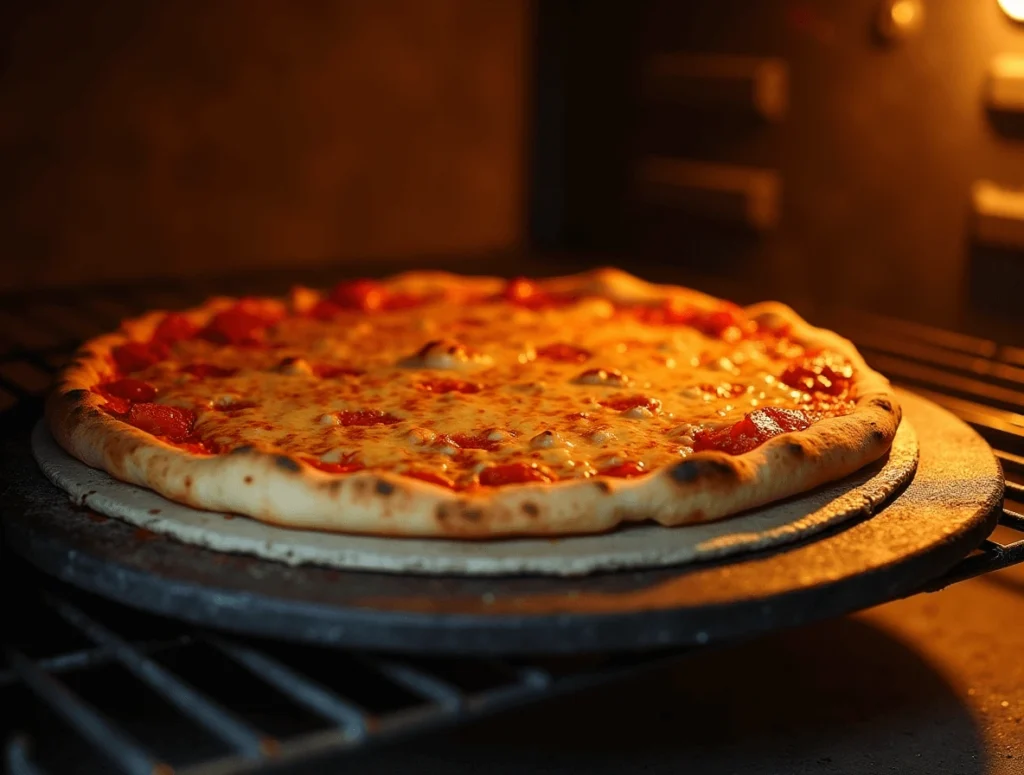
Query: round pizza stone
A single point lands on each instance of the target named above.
(631, 547)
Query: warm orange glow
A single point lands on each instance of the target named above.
(903, 12)
(1013, 8)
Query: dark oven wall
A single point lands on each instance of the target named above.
(141, 139)
(854, 153)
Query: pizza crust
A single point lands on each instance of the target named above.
(633, 547)
(281, 490)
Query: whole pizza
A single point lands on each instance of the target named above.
(431, 404)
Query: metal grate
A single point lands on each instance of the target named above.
(86, 686)
(237, 705)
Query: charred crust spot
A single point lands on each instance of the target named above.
(77, 394)
(334, 486)
(285, 462)
(884, 404)
(699, 469)
(472, 515)
(384, 487)
(188, 481)
(878, 436)
(530, 509)
(245, 449)
(247, 480)
(603, 486)
(425, 349)
(442, 512)
(154, 511)
(796, 449)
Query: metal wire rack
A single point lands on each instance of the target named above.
(86, 686)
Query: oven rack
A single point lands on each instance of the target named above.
(978, 380)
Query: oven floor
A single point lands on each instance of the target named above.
(931, 684)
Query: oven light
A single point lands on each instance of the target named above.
(1013, 8)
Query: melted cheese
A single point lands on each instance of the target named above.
(575, 415)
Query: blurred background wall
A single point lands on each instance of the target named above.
(183, 136)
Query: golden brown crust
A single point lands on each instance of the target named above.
(280, 490)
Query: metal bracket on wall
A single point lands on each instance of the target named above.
(998, 215)
(752, 85)
(740, 196)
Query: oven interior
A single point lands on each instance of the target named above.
(860, 163)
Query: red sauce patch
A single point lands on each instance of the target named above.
(368, 417)
(626, 470)
(514, 473)
(449, 386)
(563, 353)
(728, 322)
(169, 421)
(239, 326)
(136, 356)
(325, 310)
(753, 430)
(175, 327)
(365, 295)
(821, 374)
(622, 403)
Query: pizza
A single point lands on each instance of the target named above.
(433, 404)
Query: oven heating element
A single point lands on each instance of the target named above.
(77, 670)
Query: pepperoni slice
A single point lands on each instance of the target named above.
(622, 403)
(170, 421)
(430, 476)
(367, 417)
(133, 390)
(449, 386)
(174, 328)
(563, 352)
(365, 295)
(203, 370)
(137, 356)
(624, 470)
(514, 473)
(820, 374)
(753, 430)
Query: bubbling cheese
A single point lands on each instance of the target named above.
(576, 388)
